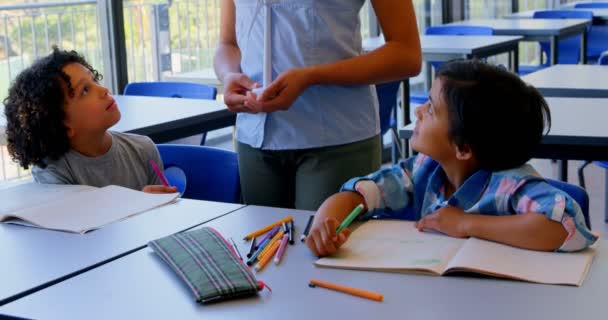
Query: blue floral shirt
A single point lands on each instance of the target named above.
(414, 188)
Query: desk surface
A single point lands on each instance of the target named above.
(204, 76)
(530, 27)
(480, 46)
(32, 257)
(598, 13)
(571, 80)
(165, 119)
(141, 286)
(578, 129)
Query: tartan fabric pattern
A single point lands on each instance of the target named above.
(207, 264)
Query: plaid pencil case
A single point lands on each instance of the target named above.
(205, 261)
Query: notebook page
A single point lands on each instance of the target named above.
(84, 211)
(393, 246)
(534, 266)
(32, 194)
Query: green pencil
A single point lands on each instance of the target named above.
(353, 214)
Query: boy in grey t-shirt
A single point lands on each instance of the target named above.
(128, 153)
(58, 116)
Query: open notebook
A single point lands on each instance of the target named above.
(397, 246)
(74, 208)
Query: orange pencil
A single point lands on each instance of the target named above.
(267, 228)
(262, 263)
(354, 291)
(274, 239)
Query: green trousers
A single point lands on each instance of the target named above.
(303, 179)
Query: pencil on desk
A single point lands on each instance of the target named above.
(292, 232)
(257, 252)
(267, 228)
(354, 291)
(270, 234)
(274, 239)
(308, 224)
(262, 263)
(279, 255)
(252, 248)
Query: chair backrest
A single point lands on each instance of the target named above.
(460, 30)
(569, 48)
(171, 90)
(603, 60)
(577, 193)
(563, 14)
(211, 174)
(387, 103)
(591, 5)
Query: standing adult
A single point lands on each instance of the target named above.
(316, 124)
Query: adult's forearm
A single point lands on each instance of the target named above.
(227, 59)
(393, 61)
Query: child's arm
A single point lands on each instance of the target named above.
(322, 239)
(529, 230)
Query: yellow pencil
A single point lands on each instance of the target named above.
(262, 263)
(274, 239)
(267, 228)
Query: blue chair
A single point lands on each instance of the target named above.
(603, 60)
(172, 90)
(453, 30)
(387, 105)
(202, 173)
(578, 194)
(569, 48)
(597, 39)
(591, 5)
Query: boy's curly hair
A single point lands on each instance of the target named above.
(34, 109)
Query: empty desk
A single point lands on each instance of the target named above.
(538, 30)
(166, 119)
(571, 80)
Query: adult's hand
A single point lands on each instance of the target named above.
(236, 87)
(281, 93)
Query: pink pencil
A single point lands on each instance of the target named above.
(279, 255)
(159, 173)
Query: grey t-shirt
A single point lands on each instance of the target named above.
(126, 164)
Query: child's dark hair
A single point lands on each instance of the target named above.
(494, 112)
(34, 109)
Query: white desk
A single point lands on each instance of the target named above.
(600, 15)
(571, 80)
(538, 30)
(447, 47)
(165, 119)
(205, 76)
(141, 286)
(33, 258)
